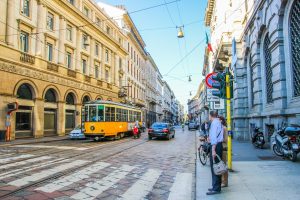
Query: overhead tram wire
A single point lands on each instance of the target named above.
(107, 19)
(196, 46)
(178, 42)
(64, 53)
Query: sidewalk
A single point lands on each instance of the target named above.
(258, 175)
(33, 140)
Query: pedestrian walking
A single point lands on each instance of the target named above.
(216, 139)
(224, 155)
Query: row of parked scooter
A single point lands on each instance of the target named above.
(286, 141)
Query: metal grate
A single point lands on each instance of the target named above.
(295, 46)
(269, 74)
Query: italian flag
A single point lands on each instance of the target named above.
(208, 44)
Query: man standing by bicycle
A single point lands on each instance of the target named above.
(216, 139)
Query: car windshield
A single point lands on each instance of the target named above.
(159, 126)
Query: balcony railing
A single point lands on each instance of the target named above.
(25, 57)
(71, 73)
(52, 66)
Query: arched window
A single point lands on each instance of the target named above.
(85, 99)
(268, 69)
(50, 96)
(295, 45)
(25, 92)
(70, 99)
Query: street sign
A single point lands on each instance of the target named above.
(210, 97)
(219, 105)
(209, 80)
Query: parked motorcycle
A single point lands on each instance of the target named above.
(287, 142)
(258, 139)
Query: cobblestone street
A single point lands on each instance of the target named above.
(82, 169)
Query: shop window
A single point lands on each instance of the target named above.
(23, 121)
(70, 119)
(70, 99)
(50, 96)
(24, 92)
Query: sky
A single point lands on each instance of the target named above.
(159, 32)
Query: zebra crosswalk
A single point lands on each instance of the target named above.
(91, 180)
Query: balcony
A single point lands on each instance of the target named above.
(71, 73)
(27, 58)
(99, 83)
(52, 66)
(87, 78)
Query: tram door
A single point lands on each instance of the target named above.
(50, 122)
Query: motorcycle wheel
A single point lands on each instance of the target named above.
(202, 155)
(293, 157)
(276, 150)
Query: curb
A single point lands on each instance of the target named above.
(31, 141)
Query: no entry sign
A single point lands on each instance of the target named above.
(209, 80)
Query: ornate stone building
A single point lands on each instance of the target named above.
(55, 55)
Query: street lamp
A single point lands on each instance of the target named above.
(180, 31)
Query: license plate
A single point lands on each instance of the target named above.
(295, 146)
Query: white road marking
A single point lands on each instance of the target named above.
(24, 162)
(182, 187)
(68, 180)
(93, 189)
(143, 186)
(6, 160)
(46, 173)
(54, 147)
(30, 168)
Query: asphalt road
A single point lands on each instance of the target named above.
(81, 169)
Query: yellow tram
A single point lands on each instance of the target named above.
(109, 119)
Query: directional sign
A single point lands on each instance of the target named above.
(219, 105)
(209, 80)
(210, 97)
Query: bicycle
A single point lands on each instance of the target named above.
(203, 150)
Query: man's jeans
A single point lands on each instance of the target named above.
(216, 180)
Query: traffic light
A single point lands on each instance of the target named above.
(219, 84)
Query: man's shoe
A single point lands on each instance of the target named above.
(212, 192)
(210, 189)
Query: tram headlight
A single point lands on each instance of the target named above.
(92, 128)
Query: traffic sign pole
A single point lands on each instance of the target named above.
(228, 109)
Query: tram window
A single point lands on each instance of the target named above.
(131, 118)
(92, 113)
(139, 117)
(112, 114)
(118, 115)
(124, 115)
(134, 116)
(107, 114)
(100, 113)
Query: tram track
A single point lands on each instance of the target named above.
(112, 151)
(66, 152)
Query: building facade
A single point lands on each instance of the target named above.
(56, 55)
(265, 60)
(166, 104)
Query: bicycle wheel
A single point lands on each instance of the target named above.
(202, 155)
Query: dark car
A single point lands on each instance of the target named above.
(193, 125)
(161, 130)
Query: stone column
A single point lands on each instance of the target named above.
(102, 62)
(62, 38)
(61, 118)
(10, 23)
(78, 117)
(78, 48)
(41, 23)
(113, 68)
(38, 118)
(92, 55)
